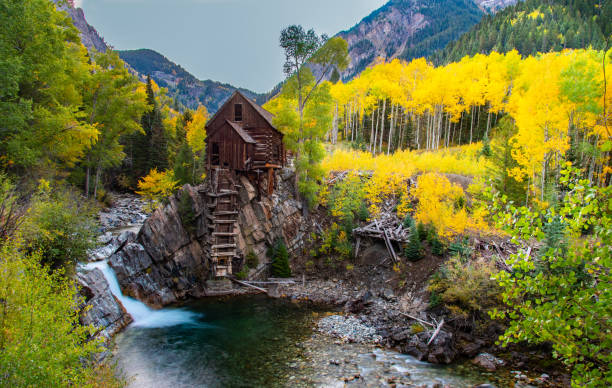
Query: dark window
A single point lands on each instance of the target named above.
(214, 155)
(237, 112)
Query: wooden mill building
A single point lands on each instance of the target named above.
(241, 140)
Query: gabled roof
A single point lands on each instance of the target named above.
(263, 113)
(245, 136)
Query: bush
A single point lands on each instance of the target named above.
(468, 291)
(244, 273)
(437, 246)
(61, 226)
(280, 260)
(461, 248)
(251, 259)
(414, 249)
(43, 343)
(12, 209)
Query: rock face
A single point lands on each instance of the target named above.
(105, 313)
(167, 261)
(89, 36)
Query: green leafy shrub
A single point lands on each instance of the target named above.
(43, 343)
(561, 295)
(414, 248)
(244, 273)
(12, 209)
(251, 259)
(280, 260)
(61, 226)
(335, 242)
(468, 291)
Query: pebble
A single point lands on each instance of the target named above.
(349, 329)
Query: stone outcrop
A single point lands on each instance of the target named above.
(168, 260)
(104, 311)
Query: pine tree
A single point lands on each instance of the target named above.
(280, 260)
(414, 248)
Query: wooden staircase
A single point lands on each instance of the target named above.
(222, 202)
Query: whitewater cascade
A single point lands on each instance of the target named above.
(143, 315)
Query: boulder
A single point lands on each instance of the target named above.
(440, 351)
(487, 361)
(104, 311)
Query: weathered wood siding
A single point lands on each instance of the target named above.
(269, 148)
(232, 149)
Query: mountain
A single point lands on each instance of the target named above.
(534, 26)
(408, 29)
(187, 89)
(89, 36)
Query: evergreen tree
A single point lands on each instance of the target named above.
(414, 248)
(280, 260)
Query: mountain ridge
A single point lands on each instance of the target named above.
(182, 85)
(207, 92)
(407, 29)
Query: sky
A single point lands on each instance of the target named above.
(233, 41)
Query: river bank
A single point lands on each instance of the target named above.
(371, 313)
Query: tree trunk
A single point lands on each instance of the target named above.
(472, 126)
(334, 135)
(382, 125)
(391, 128)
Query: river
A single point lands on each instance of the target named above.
(257, 341)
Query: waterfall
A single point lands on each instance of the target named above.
(143, 315)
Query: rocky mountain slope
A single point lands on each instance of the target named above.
(186, 88)
(89, 36)
(412, 28)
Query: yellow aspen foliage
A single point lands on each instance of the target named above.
(157, 185)
(438, 202)
(196, 129)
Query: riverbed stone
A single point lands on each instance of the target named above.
(488, 361)
(103, 311)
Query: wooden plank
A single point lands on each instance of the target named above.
(249, 285)
(223, 246)
(390, 246)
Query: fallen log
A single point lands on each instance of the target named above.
(436, 332)
(418, 319)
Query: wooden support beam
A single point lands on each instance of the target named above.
(249, 285)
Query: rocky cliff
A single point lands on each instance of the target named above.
(167, 261)
(89, 36)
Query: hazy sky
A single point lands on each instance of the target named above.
(234, 41)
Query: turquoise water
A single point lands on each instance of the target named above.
(261, 342)
(238, 342)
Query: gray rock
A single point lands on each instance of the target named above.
(104, 311)
(488, 361)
